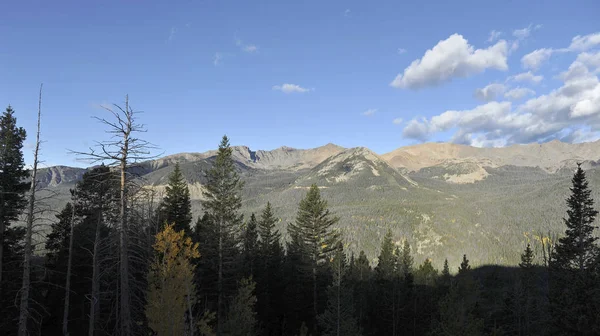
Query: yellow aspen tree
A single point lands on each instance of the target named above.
(171, 286)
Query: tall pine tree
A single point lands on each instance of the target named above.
(222, 202)
(176, 207)
(315, 238)
(574, 285)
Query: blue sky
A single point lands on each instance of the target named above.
(201, 69)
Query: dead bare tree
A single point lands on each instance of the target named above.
(122, 151)
(27, 254)
(65, 323)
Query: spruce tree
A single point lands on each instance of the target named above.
(445, 278)
(527, 258)
(269, 287)
(314, 234)
(387, 260)
(250, 247)
(426, 274)
(12, 175)
(573, 266)
(222, 201)
(464, 266)
(387, 283)
(241, 318)
(338, 318)
(360, 277)
(176, 207)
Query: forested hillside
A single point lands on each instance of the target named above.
(345, 244)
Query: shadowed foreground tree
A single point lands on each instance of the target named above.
(574, 300)
(222, 202)
(176, 207)
(12, 203)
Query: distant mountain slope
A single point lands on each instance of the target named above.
(551, 156)
(445, 199)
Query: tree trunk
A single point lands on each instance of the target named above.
(220, 281)
(123, 233)
(124, 255)
(314, 280)
(26, 287)
(65, 325)
(95, 297)
(2, 229)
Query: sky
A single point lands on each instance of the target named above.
(379, 74)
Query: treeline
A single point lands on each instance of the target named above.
(120, 260)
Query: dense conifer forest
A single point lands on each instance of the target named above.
(120, 260)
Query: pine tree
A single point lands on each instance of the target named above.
(269, 286)
(314, 236)
(527, 258)
(458, 309)
(360, 277)
(445, 278)
(573, 277)
(250, 247)
(387, 284)
(338, 318)
(176, 207)
(426, 274)
(387, 260)
(12, 186)
(241, 318)
(171, 287)
(222, 202)
(406, 261)
(464, 266)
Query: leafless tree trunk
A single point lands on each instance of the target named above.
(122, 151)
(95, 296)
(65, 325)
(26, 287)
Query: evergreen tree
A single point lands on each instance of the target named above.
(360, 276)
(269, 286)
(222, 201)
(387, 260)
(241, 319)
(446, 273)
(250, 247)
(406, 261)
(313, 235)
(387, 284)
(458, 309)
(12, 195)
(171, 287)
(338, 318)
(573, 266)
(464, 266)
(527, 258)
(426, 274)
(176, 207)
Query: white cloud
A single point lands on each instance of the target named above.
(494, 35)
(369, 112)
(250, 48)
(536, 58)
(397, 121)
(218, 58)
(490, 92)
(347, 13)
(451, 58)
(291, 88)
(172, 33)
(527, 77)
(586, 42)
(518, 93)
(401, 51)
(524, 33)
(570, 112)
(591, 60)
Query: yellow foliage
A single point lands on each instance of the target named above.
(170, 282)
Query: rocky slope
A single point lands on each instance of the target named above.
(445, 199)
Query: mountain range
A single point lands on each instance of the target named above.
(445, 199)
